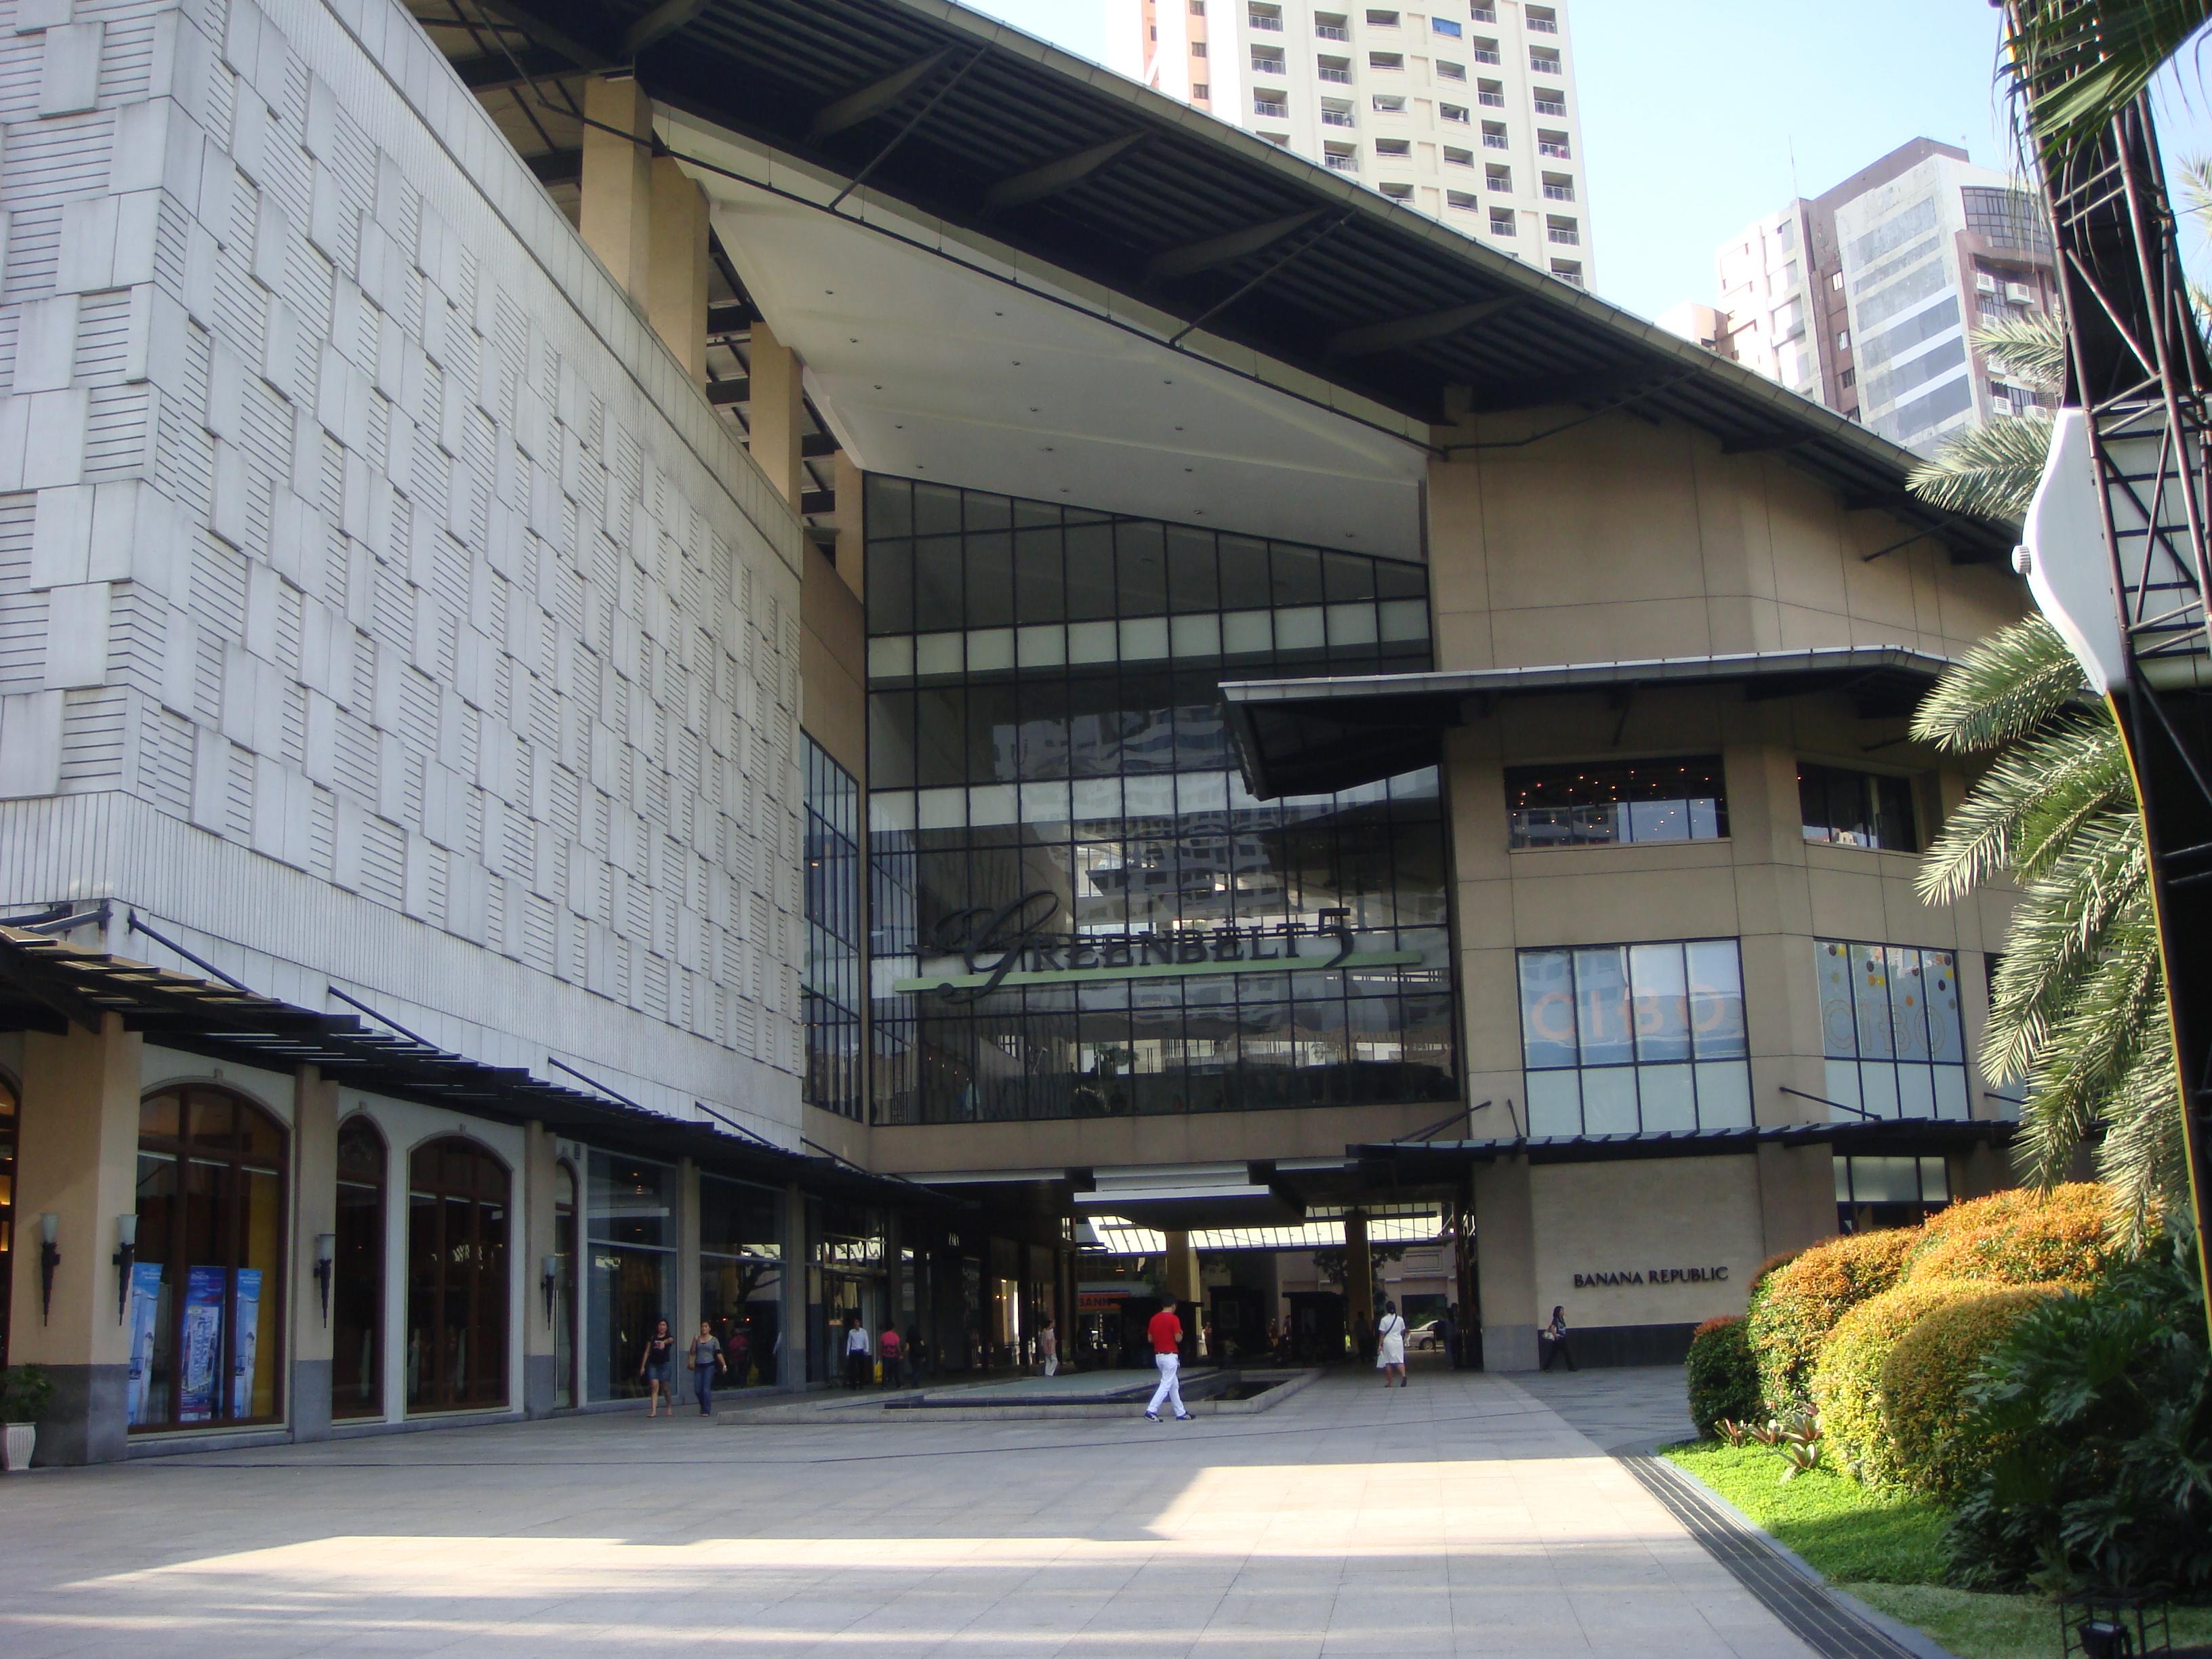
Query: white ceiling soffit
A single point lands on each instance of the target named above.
(925, 365)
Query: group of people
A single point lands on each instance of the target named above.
(706, 1355)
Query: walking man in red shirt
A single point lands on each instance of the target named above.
(1166, 1332)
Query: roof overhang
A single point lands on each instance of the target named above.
(1438, 1160)
(1268, 265)
(1310, 736)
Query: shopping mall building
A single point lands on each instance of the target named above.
(738, 661)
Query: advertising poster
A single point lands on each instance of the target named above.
(199, 1358)
(249, 1327)
(145, 1309)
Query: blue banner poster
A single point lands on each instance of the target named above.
(249, 1327)
(145, 1311)
(200, 1345)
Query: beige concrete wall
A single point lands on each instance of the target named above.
(832, 665)
(1651, 1216)
(1682, 551)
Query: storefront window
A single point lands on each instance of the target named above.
(852, 1280)
(206, 1309)
(7, 1118)
(1873, 1193)
(1891, 1030)
(1600, 805)
(741, 1273)
(630, 1214)
(1047, 762)
(457, 1276)
(564, 1285)
(1635, 1039)
(831, 989)
(357, 1274)
(1849, 808)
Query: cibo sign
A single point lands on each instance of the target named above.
(973, 952)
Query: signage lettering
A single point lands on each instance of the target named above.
(1649, 1276)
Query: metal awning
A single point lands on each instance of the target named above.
(48, 986)
(1239, 245)
(1305, 736)
(1410, 1162)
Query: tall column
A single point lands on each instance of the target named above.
(76, 1158)
(791, 1365)
(1359, 1268)
(852, 522)
(1505, 1267)
(315, 1214)
(616, 220)
(778, 415)
(684, 1318)
(675, 277)
(540, 1182)
(1182, 1260)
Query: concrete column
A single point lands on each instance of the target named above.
(616, 220)
(777, 414)
(541, 1176)
(76, 1157)
(675, 277)
(1506, 1267)
(1797, 1196)
(684, 1319)
(1182, 1267)
(852, 522)
(1358, 1269)
(314, 1212)
(791, 1365)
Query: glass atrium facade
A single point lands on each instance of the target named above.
(1049, 774)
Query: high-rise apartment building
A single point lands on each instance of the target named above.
(1464, 109)
(1865, 298)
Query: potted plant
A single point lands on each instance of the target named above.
(25, 1393)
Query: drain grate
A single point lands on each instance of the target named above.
(1814, 1616)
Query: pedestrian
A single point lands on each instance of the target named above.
(914, 1353)
(657, 1365)
(1447, 1334)
(706, 1358)
(1555, 1340)
(888, 1343)
(1166, 1332)
(738, 1354)
(1048, 1347)
(856, 1351)
(1390, 1344)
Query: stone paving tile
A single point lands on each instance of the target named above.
(1463, 1515)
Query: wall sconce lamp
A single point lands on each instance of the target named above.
(326, 1249)
(126, 1252)
(549, 1273)
(50, 1257)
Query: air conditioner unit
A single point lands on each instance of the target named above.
(2020, 293)
(1984, 283)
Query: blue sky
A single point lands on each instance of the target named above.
(1698, 116)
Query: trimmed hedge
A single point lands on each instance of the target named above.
(1724, 1376)
(1797, 1305)
(1847, 1384)
(1933, 1447)
(2016, 1237)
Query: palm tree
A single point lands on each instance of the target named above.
(2077, 64)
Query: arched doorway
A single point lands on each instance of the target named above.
(457, 1243)
(207, 1290)
(357, 1272)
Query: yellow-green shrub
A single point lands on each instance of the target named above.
(1931, 1448)
(2016, 1237)
(1847, 1383)
(1798, 1303)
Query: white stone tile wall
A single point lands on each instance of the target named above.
(379, 601)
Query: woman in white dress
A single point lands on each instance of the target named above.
(1390, 1344)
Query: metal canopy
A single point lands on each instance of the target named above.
(989, 129)
(47, 986)
(1310, 736)
(1438, 1160)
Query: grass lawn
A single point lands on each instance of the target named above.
(1886, 1548)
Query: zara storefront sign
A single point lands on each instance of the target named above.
(974, 952)
(1650, 1276)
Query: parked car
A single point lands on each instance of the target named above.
(1430, 1335)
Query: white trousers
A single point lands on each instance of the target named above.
(1170, 1387)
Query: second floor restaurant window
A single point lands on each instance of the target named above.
(831, 989)
(1572, 804)
(1635, 1039)
(1890, 1030)
(1849, 808)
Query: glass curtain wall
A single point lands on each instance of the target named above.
(357, 1274)
(206, 1306)
(631, 1216)
(852, 1279)
(831, 989)
(1045, 733)
(741, 1273)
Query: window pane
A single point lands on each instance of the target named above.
(1838, 1023)
(1724, 1095)
(1669, 1099)
(1590, 803)
(1661, 1004)
(1554, 1103)
(1547, 1009)
(1870, 992)
(1601, 1012)
(1609, 1101)
(1716, 975)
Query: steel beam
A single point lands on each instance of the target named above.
(1050, 177)
(872, 99)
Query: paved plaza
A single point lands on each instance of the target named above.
(1462, 1515)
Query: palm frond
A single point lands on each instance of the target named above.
(2001, 689)
(2079, 64)
(1989, 471)
(2033, 346)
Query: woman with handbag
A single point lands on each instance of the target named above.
(1390, 1344)
(657, 1367)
